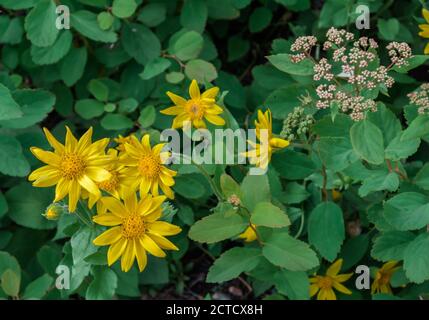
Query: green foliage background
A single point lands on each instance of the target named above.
(111, 71)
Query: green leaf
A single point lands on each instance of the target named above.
(81, 243)
(391, 245)
(379, 181)
(140, 43)
(217, 227)
(3, 205)
(27, 211)
(73, 65)
(11, 30)
(104, 284)
(422, 177)
(336, 152)
(128, 105)
(353, 250)
(116, 122)
(189, 186)
(386, 121)
(200, 70)
(293, 165)
(156, 271)
(187, 46)
(268, 215)
(174, 77)
(10, 282)
(53, 53)
(35, 105)
(89, 108)
(12, 160)
(99, 89)
(401, 149)
(124, 8)
(237, 48)
(147, 116)
(294, 193)
(38, 288)
(388, 28)
(418, 128)
(255, 189)
(9, 108)
(194, 15)
(284, 251)
(367, 141)
(18, 5)
(229, 186)
(407, 211)
(105, 20)
(9, 262)
(260, 19)
(85, 22)
(155, 67)
(294, 284)
(153, 14)
(283, 62)
(416, 259)
(232, 263)
(40, 24)
(326, 229)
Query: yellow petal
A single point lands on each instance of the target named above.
(151, 247)
(116, 250)
(131, 202)
(343, 277)
(164, 228)
(109, 220)
(141, 255)
(425, 14)
(278, 143)
(89, 185)
(214, 119)
(40, 172)
(98, 174)
(172, 111)
(194, 90)
(108, 237)
(427, 48)
(313, 289)
(115, 206)
(46, 156)
(71, 142)
(52, 141)
(62, 189)
(74, 195)
(210, 93)
(341, 288)
(85, 140)
(48, 179)
(334, 268)
(177, 100)
(128, 256)
(163, 243)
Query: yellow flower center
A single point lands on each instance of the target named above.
(150, 166)
(195, 109)
(72, 166)
(325, 282)
(111, 184)
(133, 226)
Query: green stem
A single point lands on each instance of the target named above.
(301, 226)
(210, 180)
(84, 218)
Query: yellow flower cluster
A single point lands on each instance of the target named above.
(81, 169)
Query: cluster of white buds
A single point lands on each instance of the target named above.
(399, 53)
(420, 98)
(302, 46)
(359, 63)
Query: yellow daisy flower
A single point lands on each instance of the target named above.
(118, 183)
(144, 167)
(381, 282)
(249, 234)
(425, 28)
(326, 284)
(73, 167)
(262, 152)
(135, 230)
(196, 109)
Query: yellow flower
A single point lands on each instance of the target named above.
(118, 183)
(135, 230)
(249, 234)
(144, 167)
(425, 28)
(196, 109)
(120, 140)
(262, 152)
(326, 284)
(53, 211)
(381, 282)
(73, 167)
